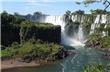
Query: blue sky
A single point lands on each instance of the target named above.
(51, 7)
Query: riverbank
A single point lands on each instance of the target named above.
(7, 63)
(15, 63)
(100, 43)
(106, 54)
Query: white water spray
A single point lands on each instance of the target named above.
(76, 39)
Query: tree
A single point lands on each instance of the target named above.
(67, 16)
(25, 26)
(16, 14)
(79, 12)
(28, 16)
(87, 2)
(98, 11)
(106, 2)
(37, 13)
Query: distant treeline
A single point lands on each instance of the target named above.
(16, 28)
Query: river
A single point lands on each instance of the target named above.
(73, 63)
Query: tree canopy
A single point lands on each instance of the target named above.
(87, 2)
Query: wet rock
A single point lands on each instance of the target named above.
(64, 53)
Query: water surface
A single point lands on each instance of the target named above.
(73, 63)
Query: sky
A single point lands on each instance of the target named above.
(51, 7)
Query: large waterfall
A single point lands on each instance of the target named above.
(75, 40)
(78, 37)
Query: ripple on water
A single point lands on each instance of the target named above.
(73, 63)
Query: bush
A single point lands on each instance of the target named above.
(97, 68)
(96, 40)
(9, 52)
(31, 49)
(106, 42)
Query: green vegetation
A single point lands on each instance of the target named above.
(9, 21)
(44, 31)
(108, 29)
(97, 68)
(78, 12)
(22, 38)
(100, 29)
(10, 51)
(99, 11)
(89, 19)
(16, 28)
(87, 2)
(31, 50)
(86, 28)
(96, 40)
(27, 27)
(10, 25)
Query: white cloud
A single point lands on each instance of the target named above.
(43, 3)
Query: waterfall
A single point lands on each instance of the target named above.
(100, 19)
(95, 24)
(104, 19)
(104, 33)
(75, 40)
(77, 37)
(80, 34)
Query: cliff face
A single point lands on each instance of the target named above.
(90, 22)
(78, 26)
(82, 23)
(49, 34)
(9, 36)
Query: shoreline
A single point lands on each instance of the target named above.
(7, 64)
(13, 63)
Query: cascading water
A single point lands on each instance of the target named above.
(104, 20)
(95, 24)
(80, 34)
(104, 32)
(75, 40)
(100, 19)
